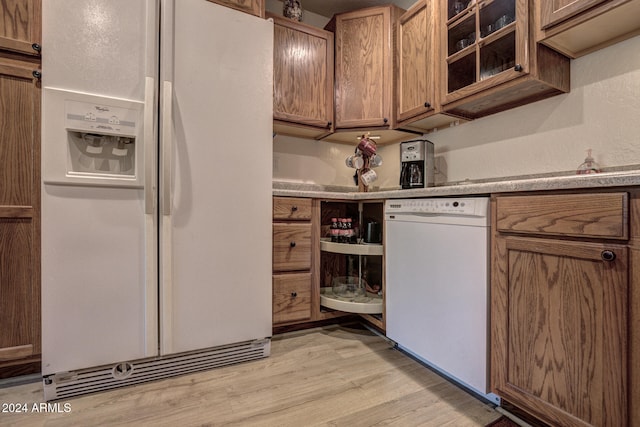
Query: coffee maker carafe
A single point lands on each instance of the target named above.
(416, 159)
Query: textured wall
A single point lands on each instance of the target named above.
(602, 112)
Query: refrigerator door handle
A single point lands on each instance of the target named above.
(149, 146)
(166, 106)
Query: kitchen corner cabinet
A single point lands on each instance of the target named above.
(253, 7)
(303, 79)
(491, 60)
(347, 261)
(21, 26)
(564, 306)
(418, 104)
(292, 256)
(578, 27)
(19, 216)
(365, 74)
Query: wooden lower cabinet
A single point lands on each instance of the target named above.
(560, 312)
(291, 297)
(292, 260)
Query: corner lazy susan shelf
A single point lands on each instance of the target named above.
(370, 303)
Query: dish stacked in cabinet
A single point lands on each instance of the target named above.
(291, 260)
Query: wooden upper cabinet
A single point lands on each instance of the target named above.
(254, 7)
(416, 61)
(555, 11)
(418, 106)
(578, 27)
(20, 30)
(364, 67)
(491, 61)
(302, 79)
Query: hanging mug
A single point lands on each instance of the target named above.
(367, 146)
(354, 161)
(375, 161)
(368, 176)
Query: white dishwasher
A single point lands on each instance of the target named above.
(437, 276)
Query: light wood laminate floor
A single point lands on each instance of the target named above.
(332, 376)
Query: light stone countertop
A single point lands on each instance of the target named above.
(624, 178)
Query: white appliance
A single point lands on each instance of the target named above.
(437, 275)
(156, 190)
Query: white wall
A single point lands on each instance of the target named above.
(320, 162)
(602, 112)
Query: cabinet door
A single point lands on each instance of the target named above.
(556, 11)
(484, 44)
(303, 74)
(559, 329)
(363, 68)
(254, 7)
(416, 61)
(19, 214)
(21, 26)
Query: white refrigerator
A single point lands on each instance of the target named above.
(156, 190)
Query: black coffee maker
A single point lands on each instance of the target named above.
(416, 164)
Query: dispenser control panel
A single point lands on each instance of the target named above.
(100, 119)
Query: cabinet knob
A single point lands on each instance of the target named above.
(608, 255)
(292, 244)
(294, 208)
(427, 105)
(518, 67)
(385, 120)
(294, 294)
(36, 47)
(329, 124)
(37, 74)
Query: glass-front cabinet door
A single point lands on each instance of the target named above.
(486, 44)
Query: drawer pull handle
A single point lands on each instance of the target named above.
(294, 294)
(292, 244)
(608, 255)
(294, 208)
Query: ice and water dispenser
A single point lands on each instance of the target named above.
(101, 139)
(93, 140)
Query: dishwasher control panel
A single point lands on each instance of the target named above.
(468, 206)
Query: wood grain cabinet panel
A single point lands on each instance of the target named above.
(291, 297)
(293, 260)
(302, 79)
(19, 215)
(553, 12)
(560, 307)
(21, 26)
(291, 208)
(364, 67)
(585, 215)
(253, 7)
(291, 247)
(578, 27)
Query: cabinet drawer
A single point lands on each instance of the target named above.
(585, 215)
(291, 246)
(291, 208)
(291, 297)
